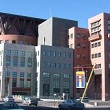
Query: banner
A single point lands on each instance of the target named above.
(80, 79)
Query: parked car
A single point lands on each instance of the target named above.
(8, 98)
(30, 101)
(9, 106)
(71, 104)
(85, 99)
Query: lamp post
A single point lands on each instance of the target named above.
(54, 98)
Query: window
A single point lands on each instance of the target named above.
(29, 54)
(28, 75)
(69, 54)
(14, 83)
(21, 83)
(44, 64)
(22, 53)
(99, 54)
(8, 52)
(71, 36)
(56, 75)
(28, 83)
(93, 56)
(66, 76)
(46, 75)
(59, 65)
(54, 65)
(64, 54)
(56, 84)
(64, 66)
(92, 45)
(78, 36)
(49, 53)
(96, 44)
(99, 43)
(71, 45)
(78, 45)
(22, 62)
(20, 42)
(15, 61)
(13, 41)
(44, 52)
(49, 64)
(8, 60)
(84, 37)
(66, 84)
(59, 54)
(78, 56)
(21, 74)
(14, 74)
(6, 41)
(29, 62)
(54, 54)
(15, 52)
(7, 73)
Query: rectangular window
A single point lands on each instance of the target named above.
(66, 76)
(15, 61)
(20, 42)
(14, 83)
(6, 41)
(64, 54)
(8, 52)
(44, 52)
(59, 54)
(46, 75)
(29, 54)
(22, 53)
(54, 65)
(56, 84)
(21, 74)
(21, 83)
(7, 73)
(54, 54)
(28, 75)
(15, 52)
(49, 53)
(14, 74)
(49, 64)
(28, 83)
(22, 62)
(13, 41)
(71, 36)
(8, 61)
(56, 75)
(29, 62)
(44, 64)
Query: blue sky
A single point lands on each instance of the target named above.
(79, 10)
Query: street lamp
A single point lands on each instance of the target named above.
(54, 98)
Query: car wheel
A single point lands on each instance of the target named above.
(35, 104)
(60, 108)
(70, 108)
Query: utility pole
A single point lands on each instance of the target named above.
(88, 83)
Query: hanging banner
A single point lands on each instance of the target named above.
(80, 79)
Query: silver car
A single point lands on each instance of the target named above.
(71, 104)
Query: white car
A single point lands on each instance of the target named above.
(8, 98)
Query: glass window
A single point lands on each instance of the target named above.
(21, 74)
(49, 53)
(14, 83)
(56, 84)
(22, 62)
(13, 41)
(59, 54)
(28, 75)
(71, 36)
(56, 75)
(15, 52)
(7, 73)
(66, 76)
(54, 54)
(15, 61)
(44, 52)
(64, 54)
(28, 83)
(54, 65)
(66, 84)
(49, 64)
(99, 43)
(46, 75)
(8, 52)
(22, 53)
(21, 83)
(44, 64)
(29, 62)
(8, 60)
(92, 45)
(59, 65)
(6, 41)
(78, 35)
(14, 74)
(20, 42)
(29, 54)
